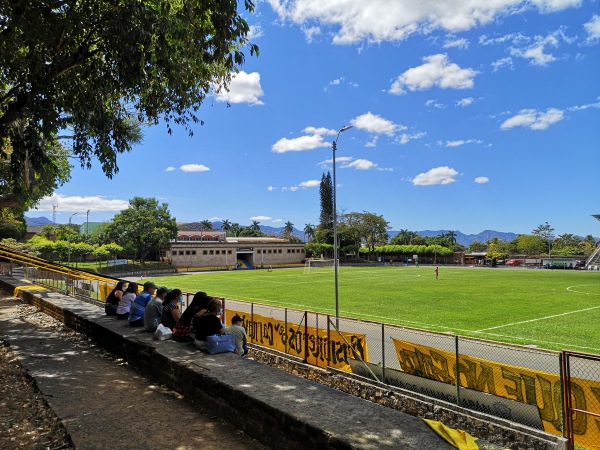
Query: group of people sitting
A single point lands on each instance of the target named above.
(159, 305)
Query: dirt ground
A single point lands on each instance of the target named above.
(26, 420)
(45, 414)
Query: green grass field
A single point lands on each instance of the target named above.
(551, 309)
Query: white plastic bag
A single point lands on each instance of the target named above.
(163, 333)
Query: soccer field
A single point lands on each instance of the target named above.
(553, 309)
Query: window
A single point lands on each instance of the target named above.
(181, 252)
(279, 251)
(211, 252)
(204, 252)
(193, 252)
(187, 252)
(229, 252)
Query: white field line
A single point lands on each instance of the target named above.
(570, 289)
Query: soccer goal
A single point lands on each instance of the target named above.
(317, 264)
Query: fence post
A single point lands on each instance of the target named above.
(562, 392)
(328, 340)
(457, 372)
(285, 330)
(305, 337)
(383, 353)
(252, 322)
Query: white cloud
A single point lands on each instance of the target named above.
(465, 101)
(81, 204)
(170, 169)
(533, 119)
(255, 32)
(320, 131)
(482, 180)
(555, 5)
(438, 175)
(353, 21)
(194, 168)
(359, 164)
(459, 142)
(310, 184)
(456, 43)
(243, 88)
(405, 138)
(536, 52)
(593, 29)
(271, 188)
(294, 188)
(277, 220)
(310, 33)
(502, 62)
(436, 70)
(260, 218)
(373, 123)
(584, 107)
(299, 144)
(433, 104)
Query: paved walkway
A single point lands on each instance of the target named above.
(104, 403)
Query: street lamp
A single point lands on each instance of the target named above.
(69, 240)
(87, 224)
(335, 240)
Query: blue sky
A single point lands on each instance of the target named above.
(466, 115)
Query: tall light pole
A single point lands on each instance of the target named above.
(335, 240)
(69, 240)
(87, 224)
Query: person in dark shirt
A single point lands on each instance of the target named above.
(209, 323)
(170, 312)
(183, 330)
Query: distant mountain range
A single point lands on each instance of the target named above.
(461, 238)
(37, 221)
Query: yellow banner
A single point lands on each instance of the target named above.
(272, 333)
(517, 383)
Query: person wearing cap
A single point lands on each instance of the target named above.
(154, 309)
(238, 330)
(138, 307)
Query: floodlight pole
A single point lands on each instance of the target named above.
(335, 239)
(69, 240)
(87, 224)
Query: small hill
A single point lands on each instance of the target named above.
(37, 221)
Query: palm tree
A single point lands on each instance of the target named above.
(309, 231)
(255, 225)
(226, 226)
(235, 229)
(205, 225)
(288, 229)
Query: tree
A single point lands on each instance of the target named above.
(325, 228)
(205, 225)
(255, 225)
(403, 237)
(477, 246)
(527, 244)
(288, 229)
(235, 229)
(545, 231)
(144, 226)
(366, 227)
(27, 175)
(98, 69)
(309, 232)
(226, 226)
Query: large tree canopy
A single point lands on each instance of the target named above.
(143, 227)
(99, 67)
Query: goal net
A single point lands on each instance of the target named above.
(312, 264)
